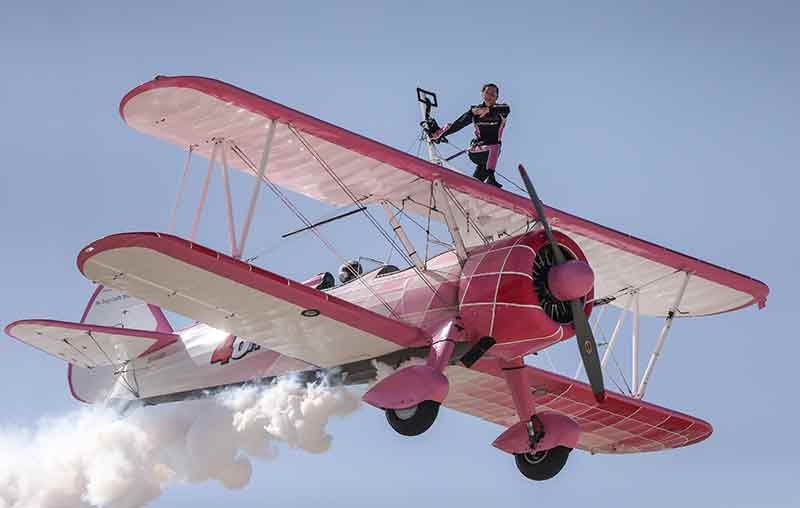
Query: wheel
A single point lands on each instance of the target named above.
(414, 420)
(542, 465)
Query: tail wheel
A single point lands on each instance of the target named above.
(542, 465)
(414, 420)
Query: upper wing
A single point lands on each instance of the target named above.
(243, 300)
(88, 345)
(197, 112)
(619, 425)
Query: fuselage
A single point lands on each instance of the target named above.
(493, 292)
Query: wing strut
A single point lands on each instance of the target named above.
(615, 333)
(229, 203)
(662, 337)
(401, 234)
(262, 168)
(441, 197)
(204, 194)
(181, 189)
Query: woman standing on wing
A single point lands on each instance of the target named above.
(489, 118)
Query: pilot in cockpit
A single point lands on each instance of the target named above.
(350, 271)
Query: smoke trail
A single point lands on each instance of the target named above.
(95, 458)
(383, 370)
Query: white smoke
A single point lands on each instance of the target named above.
(95, 458)
(384, 370)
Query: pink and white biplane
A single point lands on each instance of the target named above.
(519, 278)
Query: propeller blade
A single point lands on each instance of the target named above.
(583, 332)
(537, 204)
(588, 349)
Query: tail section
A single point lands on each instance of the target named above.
(172, 365)
(124, 350)
(111, 307)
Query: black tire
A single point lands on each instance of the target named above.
(543, 465)
(413, 421)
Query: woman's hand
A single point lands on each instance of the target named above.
(480, 111)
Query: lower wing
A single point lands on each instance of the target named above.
(619, 425)
(243, 300)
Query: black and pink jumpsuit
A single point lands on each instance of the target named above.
(485, 147)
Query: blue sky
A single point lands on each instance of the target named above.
(677, 122)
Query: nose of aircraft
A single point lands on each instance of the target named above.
(570, 280)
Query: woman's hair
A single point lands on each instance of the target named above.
(487, 85)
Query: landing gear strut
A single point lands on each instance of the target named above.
(414, 420)
(540, 442)
(411, 396)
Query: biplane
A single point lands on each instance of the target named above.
(518, 277)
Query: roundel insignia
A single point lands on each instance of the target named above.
(587, 347)
(310, 313)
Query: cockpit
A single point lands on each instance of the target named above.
(348, 272)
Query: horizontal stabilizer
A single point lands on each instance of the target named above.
(88, 345)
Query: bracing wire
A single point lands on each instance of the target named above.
(622, 375)
(465, 214)
(356, 202)
(299, 214)
(80, 352)
(420, 226)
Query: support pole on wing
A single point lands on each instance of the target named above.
(228, 202)
(615, 333)
(662, 337)
(449, 218)
(401, 234)
(635, 345)
(204, 193)
(262, 168)
(427, 101)
(181, 189)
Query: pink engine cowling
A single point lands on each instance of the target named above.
(505, 292)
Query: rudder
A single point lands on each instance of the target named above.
(111, 307)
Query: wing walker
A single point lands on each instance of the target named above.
(516, 277)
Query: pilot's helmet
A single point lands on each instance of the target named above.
(349, 271)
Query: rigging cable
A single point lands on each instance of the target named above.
(401, 211)
(356, 202)
(622, 375)
(123, 368)
(428, 229)
(291, 206)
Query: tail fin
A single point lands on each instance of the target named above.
(110, 307)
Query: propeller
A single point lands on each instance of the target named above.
(583, 332)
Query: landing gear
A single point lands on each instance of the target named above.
(542, 465)
(414, 420)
